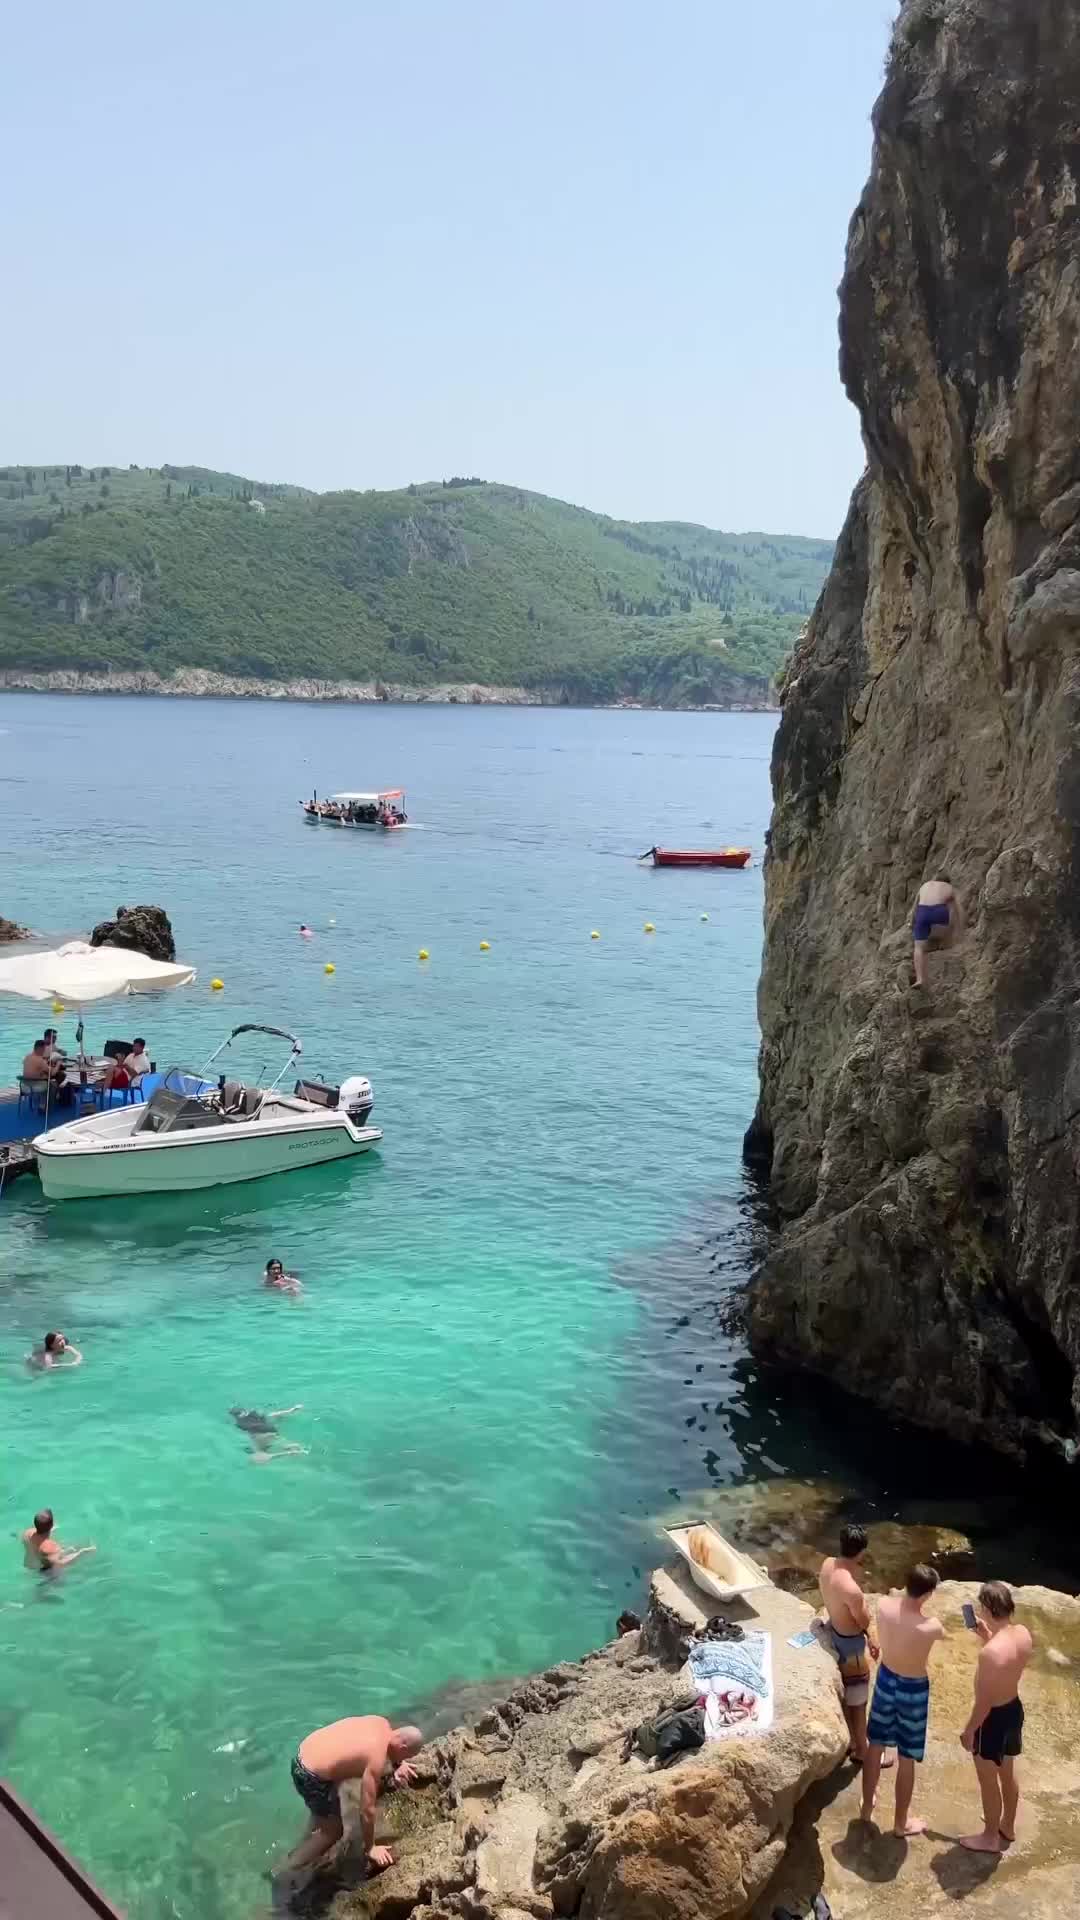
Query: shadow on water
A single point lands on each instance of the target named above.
(163, 1221)
(706, 1414)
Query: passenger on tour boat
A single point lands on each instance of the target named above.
(54, 1351)
(278, 1280)
(43, 1554)
(366, 1748)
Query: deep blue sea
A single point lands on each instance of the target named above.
(509, 1351)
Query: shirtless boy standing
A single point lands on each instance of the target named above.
(995, 1728)
(901, 1704)
(849, 1631)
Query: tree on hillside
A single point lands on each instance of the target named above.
(104, 490)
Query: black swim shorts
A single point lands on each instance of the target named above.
(319, 1796)
(1001, 1736)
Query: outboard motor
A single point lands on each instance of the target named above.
(356, 1098)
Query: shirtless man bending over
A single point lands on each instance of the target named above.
(849, 1631)
(357, 1749)
(939, 917)
(901, 1703)
(994, 1732)
(43, 1554)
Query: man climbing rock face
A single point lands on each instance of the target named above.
(939, 919)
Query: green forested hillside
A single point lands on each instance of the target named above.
(134, 568)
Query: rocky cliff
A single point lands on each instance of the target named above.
(923, 1150)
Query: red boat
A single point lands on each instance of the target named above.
(726, 857)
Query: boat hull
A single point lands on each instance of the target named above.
(734, 857)
(178, 1164)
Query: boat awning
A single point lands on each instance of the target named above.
(78, 974)
(369, 799)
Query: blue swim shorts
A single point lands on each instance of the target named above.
(926, 919)
(899, 1712)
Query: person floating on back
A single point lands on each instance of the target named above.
(849, 1631)
(939, 919)
(994, 1732)
(366, 1748)
(900, 1707)
(43, 1554)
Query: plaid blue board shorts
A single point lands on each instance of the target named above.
(899, 1713)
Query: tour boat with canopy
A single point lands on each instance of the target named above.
(383, 810)
(197, 1130)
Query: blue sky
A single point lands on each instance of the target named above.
(591, 248)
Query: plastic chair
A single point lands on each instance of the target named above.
(35, 1093)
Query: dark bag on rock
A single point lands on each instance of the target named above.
(674, 1730)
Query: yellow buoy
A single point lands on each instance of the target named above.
(649, 928)
(217, 985)
(329, 967)
(594, 935)
(58, 1006)
(485, 946)
(423, 954)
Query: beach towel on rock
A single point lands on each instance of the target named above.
(739, 1663)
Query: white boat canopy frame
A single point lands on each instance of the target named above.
(79, 974)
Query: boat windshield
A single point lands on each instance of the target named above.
(173, 1112)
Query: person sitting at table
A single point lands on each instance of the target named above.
(40, 1065)
(114, 1076)
(137, 1061)
(52, 1046)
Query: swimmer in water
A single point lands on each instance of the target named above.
(278, 1280)
(43, 1554)
(305, 931)
(54, 1352)
(262, 1432)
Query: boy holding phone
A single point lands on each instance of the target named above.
(994, 1732)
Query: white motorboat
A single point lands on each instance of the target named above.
(199, 1132)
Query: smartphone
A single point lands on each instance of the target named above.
(969, 1616)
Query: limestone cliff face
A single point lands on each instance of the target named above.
(924, 1151)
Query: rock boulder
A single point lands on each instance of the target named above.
(923, 1149)
(139, 930)
(535, 1812)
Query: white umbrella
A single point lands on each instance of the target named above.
(79, 974)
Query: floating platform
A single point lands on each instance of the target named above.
(36, 1875)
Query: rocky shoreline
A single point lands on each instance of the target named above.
(532, 1813)
(199, 683)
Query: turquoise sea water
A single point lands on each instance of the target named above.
(496, 1389)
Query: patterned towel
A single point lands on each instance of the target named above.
(739, 1662)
